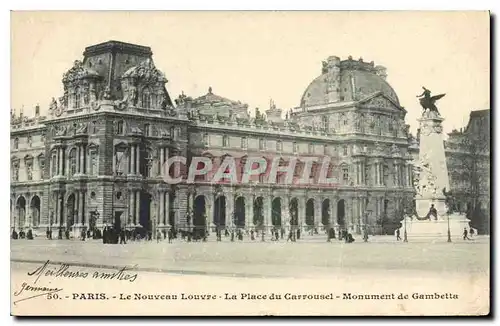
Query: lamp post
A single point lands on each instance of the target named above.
(406, 234)
(449, 231)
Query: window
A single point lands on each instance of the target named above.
(146, 129)
(205, 139)
(279, 146)
(325, 149)
(310, 148)
(324, 122)
(16, 143)
(16, 171)
(262, 144)
(93, 129)
(41, 164)
(119, 128)
(345, 174)
(294, 147)
(172, 132)
(86, 97)
(76, 103)
(244, 142)
(225, 141)
(345, 150)
(54, 164)
(72, 161)
(146, 98)
(93, 161)
(29, 141)
(362, 123)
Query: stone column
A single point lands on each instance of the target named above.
(268, 213)
(301, 220)
(210, 215)
(131, 210)
(161, 213)
(249, 208)
(82, 159)
(132, 159)
(137, 208)
(161, 161)
(55, 221)
(229, 209)
(167, 209)
(137, 160)
(60, 161)
(80, 207)
(318, 216)
(61, 217)
(285, 212)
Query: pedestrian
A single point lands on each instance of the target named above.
(170, 236)
(123, 237)
(158, 236)
(465, 234)
(252, 235)
(398, 237)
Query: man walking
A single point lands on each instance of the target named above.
(398, 235)
(465, 234)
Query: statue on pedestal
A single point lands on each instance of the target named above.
(428, 102)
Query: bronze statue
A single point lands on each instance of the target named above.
(428, 102)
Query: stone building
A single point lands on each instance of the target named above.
(97, 158)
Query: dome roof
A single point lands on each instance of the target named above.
(347, 80)
(211, 99)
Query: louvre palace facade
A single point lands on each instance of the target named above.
(97, 157)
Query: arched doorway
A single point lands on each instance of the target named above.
(21, 211)
(310, 212)
(199, 212)
(294, 212)
(258, 211)
(341, 213)
(35, 210)
(239, 212)
(220, 211)
(325, 212)
(71, 212)
(145, 211)
(276, 212)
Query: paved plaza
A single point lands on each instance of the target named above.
(305, 258)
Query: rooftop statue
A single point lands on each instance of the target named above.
(428, 102)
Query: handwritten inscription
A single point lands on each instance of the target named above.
(64, 271)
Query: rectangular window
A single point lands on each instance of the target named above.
(262, 144)
(279, 146)
(295, 147)
(146, 129)
(244, 142)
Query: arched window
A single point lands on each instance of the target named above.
(76, 102)
(16, 143)
(295, 148)
(146, 129)
(310, 148)
(325, 149)
(72, 161)
(172, 132)
(29, 141)
(146, 98)
(225, 141)
(345, 150)
(93, 129)
(244, 142)
(205, 139)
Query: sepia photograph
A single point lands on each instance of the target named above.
(250, 163)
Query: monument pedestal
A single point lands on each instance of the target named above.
(435, 229)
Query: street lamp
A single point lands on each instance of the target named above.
(449, 231)
(406, 234)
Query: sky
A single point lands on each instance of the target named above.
(257, 56)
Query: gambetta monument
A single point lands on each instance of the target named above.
(431, 215)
